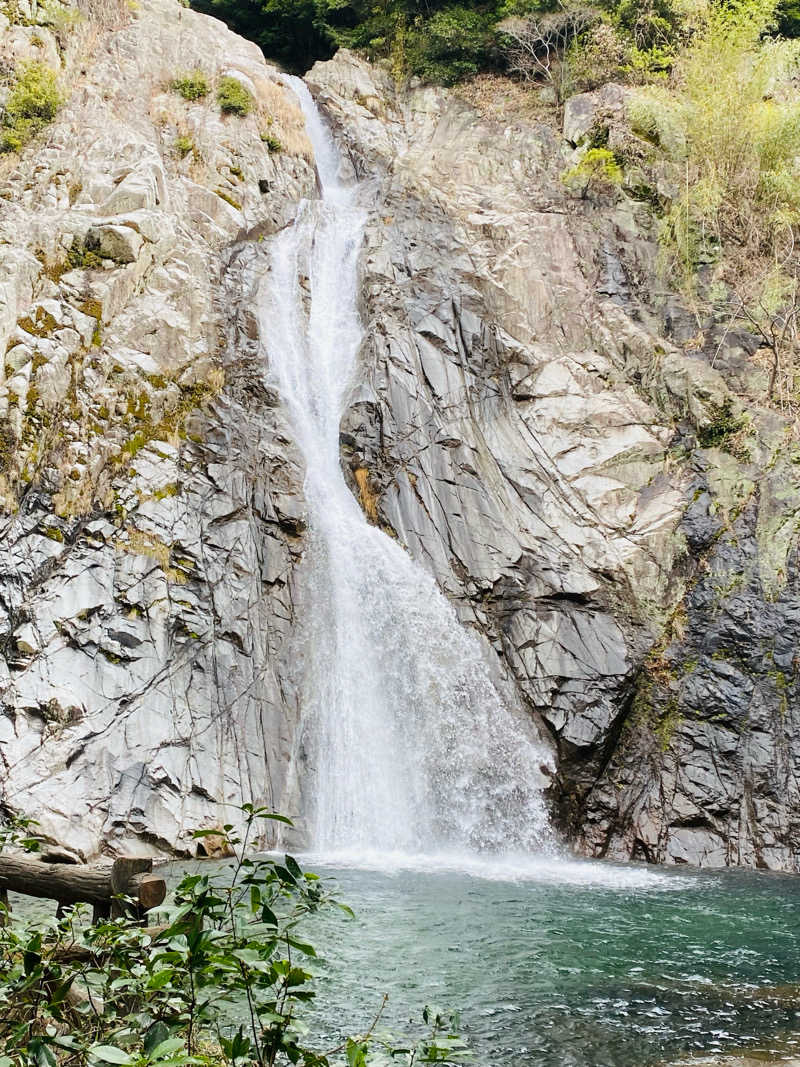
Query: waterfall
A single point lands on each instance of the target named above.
(407, 746)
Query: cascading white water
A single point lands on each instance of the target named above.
(408, 747)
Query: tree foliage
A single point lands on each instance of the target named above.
(444, 41)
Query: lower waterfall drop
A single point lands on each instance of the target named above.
(407, 746)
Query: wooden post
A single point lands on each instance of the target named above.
(125, 879)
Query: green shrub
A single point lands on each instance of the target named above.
(191, 86)
(451, 45)
(599, 168)
(32, 103)
(183, 145)
(731, 130)
(233, 98)
(597, 58)
(723, 424)
(650, 23)
(79, 257)
(272, 142)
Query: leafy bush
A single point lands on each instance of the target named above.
(183, 145)
(731, 128)
(723, 424)
(597, 58)
(451, 45)
(220, 981)
(597, 169)
(233, 98)
(32, 103)
(650, 23)
(79, 257)
(191, 86)
(272, 142)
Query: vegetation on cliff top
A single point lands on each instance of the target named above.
(442, 41)
(724, 132)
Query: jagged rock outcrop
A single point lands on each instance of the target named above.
(539, 422)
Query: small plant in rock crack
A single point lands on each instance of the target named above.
(220, 977)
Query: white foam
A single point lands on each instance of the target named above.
(544, 868)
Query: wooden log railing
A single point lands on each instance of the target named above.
(100, 885)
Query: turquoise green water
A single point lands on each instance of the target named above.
(599, 966)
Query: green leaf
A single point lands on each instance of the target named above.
(110, 1054)
(297, 976)
(302, 946)
(174, 1044)
(268, 916)
(158, 981)
(293, 866)
(262, 813)
(159, 1031)
(356, 1052)
(45, 1057)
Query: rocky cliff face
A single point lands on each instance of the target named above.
(548, 430)
(152, 509)
(539, 423)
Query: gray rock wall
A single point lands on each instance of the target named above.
(152, 508)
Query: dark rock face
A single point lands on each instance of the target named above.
(706, 771)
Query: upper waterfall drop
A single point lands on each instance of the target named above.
(408, 745)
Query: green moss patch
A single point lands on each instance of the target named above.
(233, 98)
(191, 86)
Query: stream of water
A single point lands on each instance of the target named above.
(406, 746)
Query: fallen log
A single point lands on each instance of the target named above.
(83, 883)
